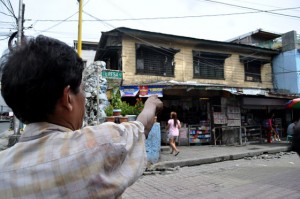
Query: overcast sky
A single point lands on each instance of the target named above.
(204, 19)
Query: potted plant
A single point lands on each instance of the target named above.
(139, 106)
(128, 111)
(109, 113)
(125, 108)
(131, 112)
(116, 102)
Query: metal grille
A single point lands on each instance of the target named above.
(253, 71)
(152, 61)
(208, 65)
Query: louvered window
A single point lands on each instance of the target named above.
(155, 61)
(208, 65)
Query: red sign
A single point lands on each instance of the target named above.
(143, 91)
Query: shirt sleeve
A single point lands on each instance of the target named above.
(94, 162)
(123, 156)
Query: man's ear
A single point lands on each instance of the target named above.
(67, 99)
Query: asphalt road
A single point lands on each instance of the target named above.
(267, 176)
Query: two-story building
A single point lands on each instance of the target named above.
(286, 65)
(206, 82)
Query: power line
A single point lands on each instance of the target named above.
(9, 15)
(65, 20)
(170, 17)
(10, 10)
(4, 38)
(5, 22)
(59, 22)
(162, 50)
(244, 7)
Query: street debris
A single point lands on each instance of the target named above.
(269, 156)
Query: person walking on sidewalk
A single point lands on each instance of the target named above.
(56, 157)
(173, 129)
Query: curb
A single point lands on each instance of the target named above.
(199, 161)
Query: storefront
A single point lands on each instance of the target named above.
(215, 115)
(255, 110)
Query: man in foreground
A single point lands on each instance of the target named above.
(55, 157)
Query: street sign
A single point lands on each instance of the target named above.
(112, 74)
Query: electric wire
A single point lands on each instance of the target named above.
(166, 18)
(60, 22)
(10, 9)
(103, 21)
(244, 7)
(138, 38)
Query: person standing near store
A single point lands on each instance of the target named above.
(291, 128)
(56, 157)
(173, 129)
(272, 130)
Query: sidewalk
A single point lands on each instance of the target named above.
(204, 154)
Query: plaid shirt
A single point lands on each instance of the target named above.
(52, 161)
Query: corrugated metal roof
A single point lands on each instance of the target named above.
(257, 33)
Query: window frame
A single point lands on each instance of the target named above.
(252, 68)
(252, 71)
(212, 64)
(156, 61)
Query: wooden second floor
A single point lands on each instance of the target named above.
(147, 58)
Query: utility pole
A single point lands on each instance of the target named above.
(13, 139)
(79, 43)
(19, 42)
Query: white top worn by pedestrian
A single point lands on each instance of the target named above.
(52, 161)
(174, 131)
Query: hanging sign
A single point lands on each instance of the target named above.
(112, 74)
(146, 91)
(129, 91)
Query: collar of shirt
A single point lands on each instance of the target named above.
(39, 129)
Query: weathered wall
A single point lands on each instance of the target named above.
(233, 72)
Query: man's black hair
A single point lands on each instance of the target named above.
(35, 75)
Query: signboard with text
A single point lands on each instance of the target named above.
(146, 91)
(112, 74)
(129, 91)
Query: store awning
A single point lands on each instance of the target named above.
(263, 101)
(246, 91)
(129, 91)
(186, 89)
(143, 91)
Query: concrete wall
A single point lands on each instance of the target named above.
(153, 144)
(88, 56)
(233, 72)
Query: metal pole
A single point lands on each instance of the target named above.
(19, 42)
(79, 44)
(20, 22)
(97, 73)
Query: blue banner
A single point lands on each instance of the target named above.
(129, 91)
